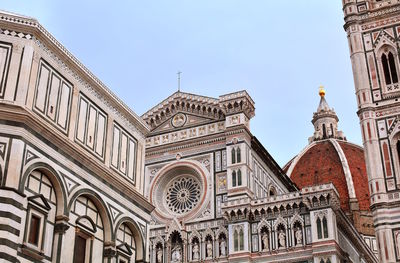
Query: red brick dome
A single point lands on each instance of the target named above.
(333, 161)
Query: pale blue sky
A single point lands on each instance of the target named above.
(279, 51)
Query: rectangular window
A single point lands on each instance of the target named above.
(79, 249)
(34, 230)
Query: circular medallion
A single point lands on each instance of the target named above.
(183, 194)
(179, 120)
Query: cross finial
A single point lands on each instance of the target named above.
(179, 80)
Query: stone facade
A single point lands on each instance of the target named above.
(71, 157)
(373, 29)
(220, 196)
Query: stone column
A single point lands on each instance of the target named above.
(109, 252)
(60, 227)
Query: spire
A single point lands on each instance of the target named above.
(325, 121)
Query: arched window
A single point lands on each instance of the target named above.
(238, 155)
(89, 229)
(126, 245)
(239, 175)
(324, 136)
(325, 226)
(241, 239)
(398, 150)
(233, 155)
(235, 241)
(319, 228)
(272, 191)
(328, 261)
(332, 133)
(389, 68)
(42, 204)
(234, 183)
(322, 261)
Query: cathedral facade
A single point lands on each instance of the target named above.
(71, 157)
(219, 196)
(373, 30)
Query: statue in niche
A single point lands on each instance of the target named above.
(265, 241)
(282, 239)
(159, 255)
(209, 249)
(222, 246)
(299, 236)
(196, 254)
(176, 254)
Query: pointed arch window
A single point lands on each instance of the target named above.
(238, 155)
(319, 228)
(398, 150)
(239, 177)
(325, 226)
(233, 155)
(241, 239)
(234, 183)
(389, 68)
(235, 241)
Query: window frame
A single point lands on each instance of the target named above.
(42, 215)
(89, 243)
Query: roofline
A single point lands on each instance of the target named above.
(32, 26)
(172, 96)
(264, 154)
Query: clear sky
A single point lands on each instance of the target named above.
(279, 51)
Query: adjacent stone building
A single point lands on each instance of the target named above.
(373, 30)
(220, 196)
(71, 157)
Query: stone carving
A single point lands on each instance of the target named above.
(282, 239)
(299, 237)
(179, 120)
(265, 241)
(209, 249)
(222, 246)
(176, 254)
(159, 255)
(196, 254)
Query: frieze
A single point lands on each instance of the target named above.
(370, 15)
(387, 112)
(185, 134)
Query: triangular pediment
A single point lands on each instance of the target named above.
(40, 201)
(183, 110)
(125, 248)
(382, 38)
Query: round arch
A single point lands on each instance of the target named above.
(54, 178)
(101, 207)
(139, 239)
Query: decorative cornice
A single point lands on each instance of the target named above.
(23, 118)
(367, 17)
(44, 40)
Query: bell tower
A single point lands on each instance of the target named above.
(373, 32)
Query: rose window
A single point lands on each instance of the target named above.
(183, 194)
